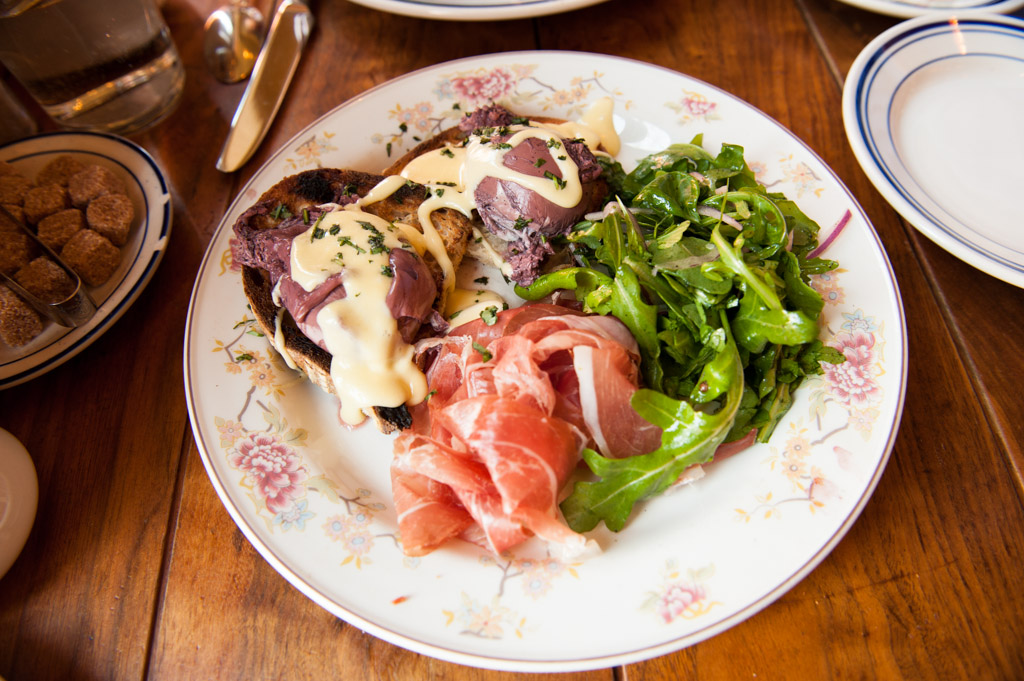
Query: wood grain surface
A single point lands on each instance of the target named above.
(134, 569)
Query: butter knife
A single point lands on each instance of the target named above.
(273, 71)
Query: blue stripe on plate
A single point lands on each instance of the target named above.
(867, 78)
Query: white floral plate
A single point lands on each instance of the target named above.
(933, 110)
(915, 8)
(315, 500)
(475, 10)
(140, 256)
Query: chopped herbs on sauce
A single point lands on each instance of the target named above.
(489, 315)
(559, 182)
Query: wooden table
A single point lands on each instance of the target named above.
(135, 570)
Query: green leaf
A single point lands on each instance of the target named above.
(689, 436)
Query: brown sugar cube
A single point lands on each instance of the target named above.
(44, 200)
(59, 170)
(19, 323)
(8, 225)
(13, 189)
(93, 181)
(55, 230)
(111, 215)
(16, 250)
(92, 256)
(46, 280)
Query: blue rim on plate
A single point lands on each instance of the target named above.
(885, 76)
(906, 10)
(140, 256)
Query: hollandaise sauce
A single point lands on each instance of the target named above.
(371, 365)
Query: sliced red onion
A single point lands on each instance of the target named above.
(843, 221)
(700, 177)
(708, 211)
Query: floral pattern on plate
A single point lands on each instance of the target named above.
(314, 497)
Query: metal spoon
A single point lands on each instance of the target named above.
(232, 38)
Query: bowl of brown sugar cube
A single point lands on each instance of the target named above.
(84, 222)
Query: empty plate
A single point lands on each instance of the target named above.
(933, 109)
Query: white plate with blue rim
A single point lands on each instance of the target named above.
(933, 110)
(140, 256)
(476, 10)
(916, 8)
(314, 498)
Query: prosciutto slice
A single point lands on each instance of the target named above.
(490, 452)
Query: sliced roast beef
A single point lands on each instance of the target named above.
(521, 222)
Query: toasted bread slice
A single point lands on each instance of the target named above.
(312, 188)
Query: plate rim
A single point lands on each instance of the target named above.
(153, 244)
(859, 130)
(451, 12)
(508, 663)
(907, 10)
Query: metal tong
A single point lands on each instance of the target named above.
(73, 311)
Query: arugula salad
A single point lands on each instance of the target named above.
(710, 273)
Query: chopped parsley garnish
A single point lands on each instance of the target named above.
(439, 191)
(377, 244)
(562, 157)
(554, 144)
(305, 216)
(448, 152)
(387, 147)
(501, 145)
(318, 231)
(521, 222)
(489, 315)
(539, 162)
(347, 241)
(403, 127)
(520, 120)
(333, 231)
(281, 212)
(559, 182)
(480, 280)
(485, 354)
(387, 271)
(349, 190)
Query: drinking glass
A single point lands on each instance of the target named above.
(108, 66)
